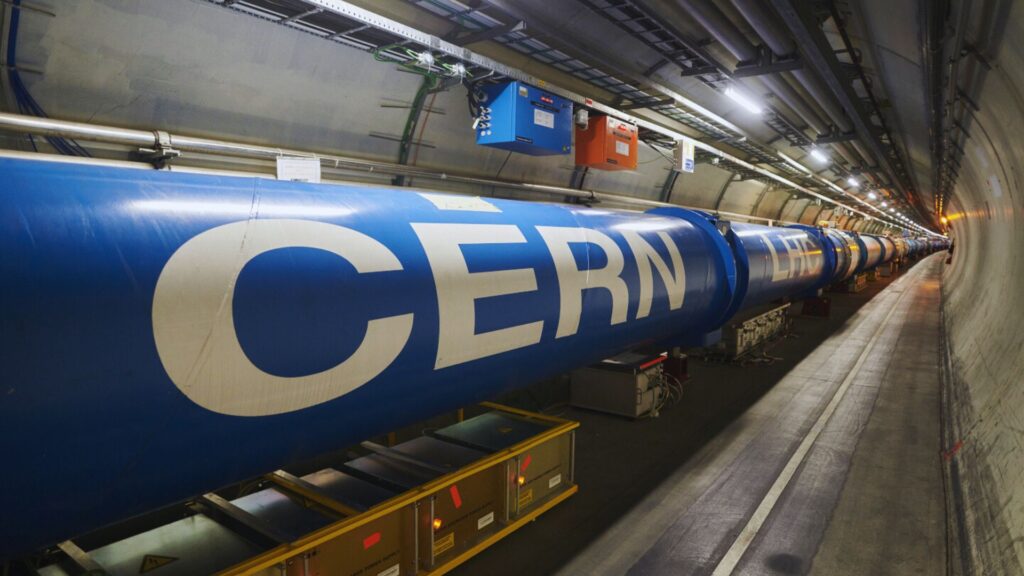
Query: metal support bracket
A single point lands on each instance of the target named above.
(835, 137)
(972, 50)
(80, 557)
(162, 153)
(648, 104)
(961, 95)
(767, 63)
(487, 33)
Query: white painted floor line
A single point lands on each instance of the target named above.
(732, 557)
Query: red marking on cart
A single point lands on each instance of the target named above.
(371, 540)
(456, 497)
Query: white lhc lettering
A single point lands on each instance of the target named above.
(194, 328)
(802, 258)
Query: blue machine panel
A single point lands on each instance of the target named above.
(522, 118)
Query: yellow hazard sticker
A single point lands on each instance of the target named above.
(151, 562)
(444, 544)
(525, 497)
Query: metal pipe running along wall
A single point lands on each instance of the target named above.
(160, 139)
(167, 334)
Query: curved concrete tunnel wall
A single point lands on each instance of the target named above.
(272, 85)
(983, 294)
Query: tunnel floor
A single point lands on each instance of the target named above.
(826, 461)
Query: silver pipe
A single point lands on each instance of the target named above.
(79, 130)
(150, 140)
(525, 186)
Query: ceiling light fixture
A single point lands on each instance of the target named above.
(818, 155)
(832, 185)
(743, 100)
(872, 196)
(795, 164)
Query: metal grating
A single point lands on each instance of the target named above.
(637, 20)
(344, 23)
(304, 17)
(475, 20)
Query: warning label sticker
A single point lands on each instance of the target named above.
(525, 498)
(543, 118)
(444, 544)
(485, 521)
(151, 562)
(555, 481)
(622, 148)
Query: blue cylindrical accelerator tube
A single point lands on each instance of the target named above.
(888, 249)
(848, 253)
(873, 252)
(167, 334)
(774, 262)
(902, 248)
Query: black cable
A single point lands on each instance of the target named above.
(503, 164)
(23, 99)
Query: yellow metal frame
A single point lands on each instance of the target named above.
(284, 552)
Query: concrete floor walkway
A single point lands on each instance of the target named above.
(835, 471)
(746, 475)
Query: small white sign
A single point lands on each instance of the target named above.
(622, 148)
(543, 118)
(684, 159)
(393, 571)
(461, 203)
(297, 169)
(555, 481)
(485, 521)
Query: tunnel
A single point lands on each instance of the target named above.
(741, 279)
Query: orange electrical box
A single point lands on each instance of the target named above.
(607, 144)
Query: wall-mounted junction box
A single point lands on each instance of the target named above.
(522, 118)
(607, 143)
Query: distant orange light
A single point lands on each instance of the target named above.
(944, 220)
(437, 523)
(521, 480)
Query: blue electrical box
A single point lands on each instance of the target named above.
(523, 118)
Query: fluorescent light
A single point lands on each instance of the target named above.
(884, 204)
(872, 196)
(831, 184)
(795, 164)
(852, 182)
(892, 209)
(818, 155)
(743, 100)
